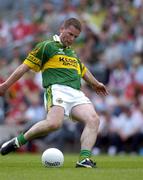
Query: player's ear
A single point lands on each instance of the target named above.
(61, 29)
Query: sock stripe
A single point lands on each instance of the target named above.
(84, 154)
(21, 139)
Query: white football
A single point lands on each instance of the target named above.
(52, 157)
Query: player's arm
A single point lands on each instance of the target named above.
(16, 75)
(94, 83)
(33, 61)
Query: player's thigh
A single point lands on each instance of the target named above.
(84, 112)
(55, 114)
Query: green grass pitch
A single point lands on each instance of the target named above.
(29, 167)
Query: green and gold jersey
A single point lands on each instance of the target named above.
(58, 65)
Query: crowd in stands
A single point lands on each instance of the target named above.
(110, 45)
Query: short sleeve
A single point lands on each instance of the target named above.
(35, 57)
(83, 69)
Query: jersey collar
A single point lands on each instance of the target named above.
(56, 38)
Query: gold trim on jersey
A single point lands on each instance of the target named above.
(84, 69)
(48, 98)
(33, 66)
(62, 61)
(33, 62)
(34, 59)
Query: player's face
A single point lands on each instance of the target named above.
(68, 35)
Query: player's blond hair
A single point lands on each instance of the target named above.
(74, 22)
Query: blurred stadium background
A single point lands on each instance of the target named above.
(110, 45)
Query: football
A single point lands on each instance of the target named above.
(52, 157)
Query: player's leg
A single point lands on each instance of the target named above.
(86, 114)
(53, 121)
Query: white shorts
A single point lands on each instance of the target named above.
(64, 96)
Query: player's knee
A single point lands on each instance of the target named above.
(94, 120)
(54, 125)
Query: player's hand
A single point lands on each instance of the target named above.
(100, 89)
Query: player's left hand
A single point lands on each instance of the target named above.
(100, 89)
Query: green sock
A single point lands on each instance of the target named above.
(21, 139)
(84, 154)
